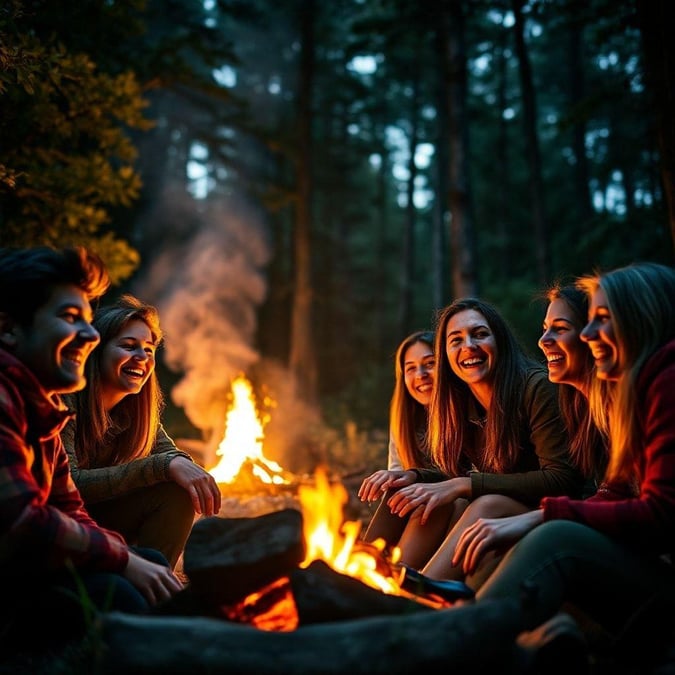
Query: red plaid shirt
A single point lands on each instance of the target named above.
(42, 516)
(645, 522)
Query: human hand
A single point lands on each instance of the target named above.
(487, 534)
(379, 482)
(199, 483)
(156, 582)
(425, 497)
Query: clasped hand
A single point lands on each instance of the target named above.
(379, 482)
(428, 496)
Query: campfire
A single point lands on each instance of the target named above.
(242, 445)
(294, 591)
(326, 537)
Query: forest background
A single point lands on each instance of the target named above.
(297, 185)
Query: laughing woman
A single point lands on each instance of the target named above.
(414, 369)
(571, 367)
(131, 475)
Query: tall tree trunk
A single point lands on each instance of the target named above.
(439, 283)
(384, 342)
(503, 173)
(302, 357)
(462, 236)
(536, 183)
(408, 258)
(655, 21)
(577, 94)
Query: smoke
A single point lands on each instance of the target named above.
(207, 280)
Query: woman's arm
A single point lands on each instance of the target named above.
(103, 483)
(545, 434)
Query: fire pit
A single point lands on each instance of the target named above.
(295, 619)
(280, 583)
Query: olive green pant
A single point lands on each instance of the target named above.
(159, 516)
(562, 561)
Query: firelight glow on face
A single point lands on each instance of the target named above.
(561, 343)
(59, 340)
(470, 347)
(599, 335)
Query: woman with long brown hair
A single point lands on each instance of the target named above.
(133, 478)
(414, 370)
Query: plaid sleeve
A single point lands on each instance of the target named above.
(41, 511)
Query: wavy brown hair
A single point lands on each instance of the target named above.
(588, 445)
(127, 431)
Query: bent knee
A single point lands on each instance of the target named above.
(495, 506)
(172, 498)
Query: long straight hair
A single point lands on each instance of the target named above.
(127, 431)
(449, 408)
(588, 443)
(408, 417)
(640, 300)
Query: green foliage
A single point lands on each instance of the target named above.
(67, 158)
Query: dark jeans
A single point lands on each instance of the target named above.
(563, 561)
(39, 611)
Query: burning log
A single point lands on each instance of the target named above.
(228, 558)
(313, 619)
(473, 638)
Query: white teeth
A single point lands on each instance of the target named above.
(472, 362)
(552, 358)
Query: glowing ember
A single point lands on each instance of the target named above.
(243, 440)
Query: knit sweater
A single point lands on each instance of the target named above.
(107, 482)
(645, 522)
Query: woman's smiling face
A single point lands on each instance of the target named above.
(419, 371)
(127, 360)
(470, 347)
(565, 353)
(599, 335)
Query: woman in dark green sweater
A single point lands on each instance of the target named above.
(131, 475)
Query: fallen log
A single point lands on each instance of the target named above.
(472, 638)
(321, 594)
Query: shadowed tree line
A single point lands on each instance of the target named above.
(403, 153)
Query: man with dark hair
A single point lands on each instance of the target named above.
(50, 548)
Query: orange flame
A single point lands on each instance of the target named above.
(330, 539)
(243, 440)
